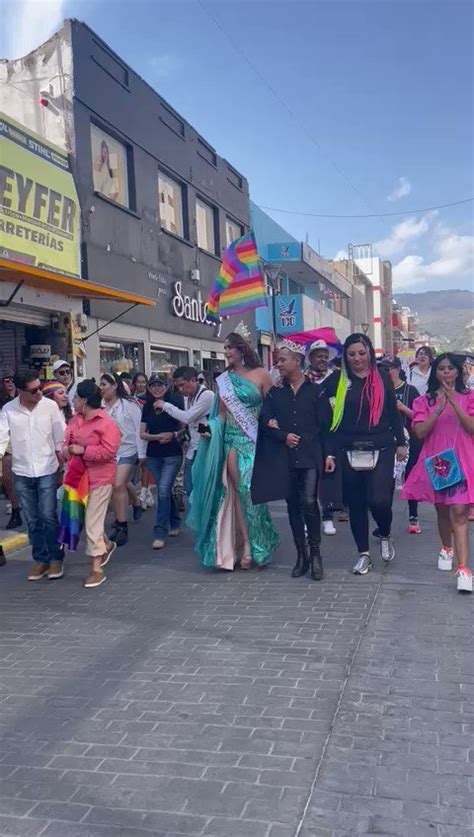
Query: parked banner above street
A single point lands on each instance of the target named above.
(39, 207)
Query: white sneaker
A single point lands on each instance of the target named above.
(387, 550)
(158, 543)
(328, 527)
(464, 580)
(445, 559)
(363, 565)
(8, 507)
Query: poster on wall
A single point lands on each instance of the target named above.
(109, 165)
(39, 207)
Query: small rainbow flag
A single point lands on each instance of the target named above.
(73, 507)
(239, 285)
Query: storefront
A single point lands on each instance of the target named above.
(41, 291)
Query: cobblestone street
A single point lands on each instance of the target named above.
(175, 701)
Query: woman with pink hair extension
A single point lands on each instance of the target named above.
(369, 433)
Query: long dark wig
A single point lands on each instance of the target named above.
(373, 390)
(434, 384)
(249, 356)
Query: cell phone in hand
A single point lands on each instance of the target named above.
(204, 428)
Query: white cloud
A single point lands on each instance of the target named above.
(28, 23)
(403, 233)
(164, 65)
(401, 189)
(453, 259)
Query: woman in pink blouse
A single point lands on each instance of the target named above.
(95, 437)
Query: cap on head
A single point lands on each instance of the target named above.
(158, 379)
(58, 364)
(321, 344)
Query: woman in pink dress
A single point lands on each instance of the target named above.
(444, 418)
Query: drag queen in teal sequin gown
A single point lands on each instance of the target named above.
(229, 529)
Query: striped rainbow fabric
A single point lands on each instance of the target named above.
(74, 502)
(239, 285)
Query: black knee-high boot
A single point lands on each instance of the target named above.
(302, 563)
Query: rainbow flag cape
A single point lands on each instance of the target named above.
(73, 507)
(239, 285)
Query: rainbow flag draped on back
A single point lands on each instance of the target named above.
(240, 285)
(73, 507)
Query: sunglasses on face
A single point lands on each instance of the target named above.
(34, 391)
(8, 380)
(64, 372)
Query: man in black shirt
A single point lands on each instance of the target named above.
(296, 414)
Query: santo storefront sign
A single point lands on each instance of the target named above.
(289, 313)
(39, 207)
(192, 308)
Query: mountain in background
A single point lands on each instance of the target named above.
(441, 313)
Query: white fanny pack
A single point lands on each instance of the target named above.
(362, 460)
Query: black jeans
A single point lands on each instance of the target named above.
(303, 506)
(415, 450)
(369, 490)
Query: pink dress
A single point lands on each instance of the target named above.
(447, 433)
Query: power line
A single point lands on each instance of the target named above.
(370, 215)
(235, 46)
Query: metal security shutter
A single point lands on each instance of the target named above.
(25, 314)
(12, 338)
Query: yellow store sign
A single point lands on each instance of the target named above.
(39, 207)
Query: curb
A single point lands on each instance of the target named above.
(11, 543)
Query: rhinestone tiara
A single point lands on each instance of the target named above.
(244, 331)
(286, 343)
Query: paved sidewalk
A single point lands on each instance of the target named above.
(174, 701)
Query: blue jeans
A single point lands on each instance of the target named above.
(164, 471)
(37, 496)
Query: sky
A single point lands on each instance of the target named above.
(334, 107)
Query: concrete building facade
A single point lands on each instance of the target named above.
(158, 204)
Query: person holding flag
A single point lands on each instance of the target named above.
(229, 529)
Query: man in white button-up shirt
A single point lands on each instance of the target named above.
(35, 427)
(198, 405)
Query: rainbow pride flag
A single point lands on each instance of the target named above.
(239, 285)
(73, 507)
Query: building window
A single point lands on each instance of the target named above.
(164, 361)
(206, 236)
(120, 357)
(293, 287)
(172, 121)
(234, 177)
(206, 152)
(233, 231)
(110, 166)
(171, 205)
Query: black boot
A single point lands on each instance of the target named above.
(119, 534)
(302, 564)
(15, 520)
(316, 564)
